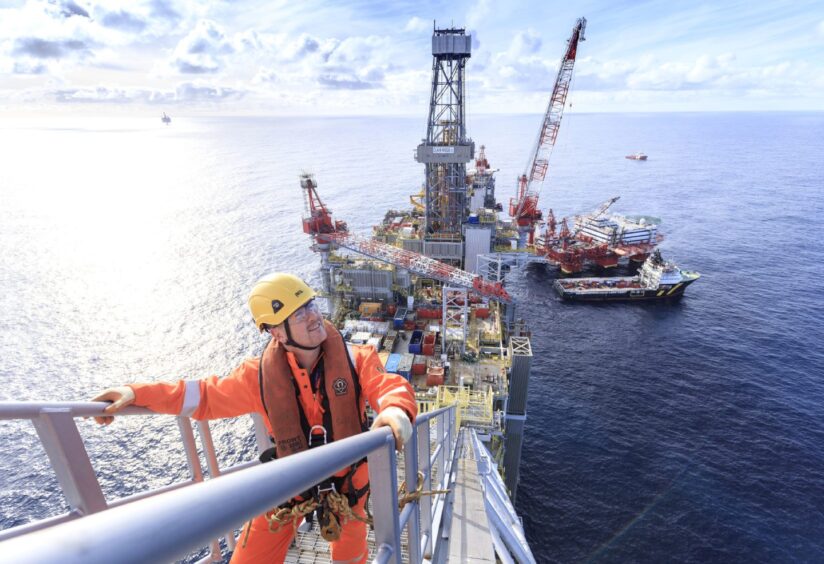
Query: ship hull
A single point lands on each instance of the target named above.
(673, 292)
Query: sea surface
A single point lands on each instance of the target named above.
(683, 432)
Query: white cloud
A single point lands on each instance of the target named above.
(68, 8)
(416, 24)
(265, 76)
(371, 49)
(149, 44)
(478, 13)
(304, 46)
(56, 36)
(189, 92)
(720, 74)
(525, 43)
(184, 93)
(519, 67)
(202, 51)
(124, 21)
(29, 68)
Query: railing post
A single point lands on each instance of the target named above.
(70, 461)
(410, 459)
(424, 449)
(214, 471)
(261, 434)
(441, 434)
(452, 421)
(383, 483)
(190, 448)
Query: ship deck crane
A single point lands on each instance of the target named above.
(603, 207)
(317, 218)
(319, 223)
(524, 207)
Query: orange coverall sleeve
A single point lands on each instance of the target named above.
(209, 398)
(382, 388)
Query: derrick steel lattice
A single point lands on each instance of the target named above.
(446, 148)
(318, 223)
(420, 265)
(454, 317)
(524, 207)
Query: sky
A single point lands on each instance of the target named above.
(358, 57)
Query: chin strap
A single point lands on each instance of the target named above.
(293, 343)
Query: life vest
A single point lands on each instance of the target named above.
(294, 410)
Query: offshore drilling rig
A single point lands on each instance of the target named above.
(425, 279)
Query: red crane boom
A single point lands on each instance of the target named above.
(524, 208)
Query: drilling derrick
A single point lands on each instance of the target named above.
(524, 207)
(446, 149)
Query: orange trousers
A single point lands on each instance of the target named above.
(263, 546)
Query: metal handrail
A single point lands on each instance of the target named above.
(174, 519)
(508, 534)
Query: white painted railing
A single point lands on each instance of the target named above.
(168, 523)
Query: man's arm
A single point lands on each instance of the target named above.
(209, 398)
(390, 395)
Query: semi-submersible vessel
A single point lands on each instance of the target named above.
(426, 290)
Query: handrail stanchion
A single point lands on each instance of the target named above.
(261, 434)
(410, 459)
(214, 471)
(449, 455)
(383, 484)
(190, 448)
(441, 428)
(59, 435)
(444, 471)
(425, 502)
(453, 437)
(193, 461)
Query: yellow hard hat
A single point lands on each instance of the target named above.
(277, 296)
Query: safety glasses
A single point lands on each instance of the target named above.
(303, 312)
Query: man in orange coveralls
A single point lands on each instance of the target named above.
(309, 386)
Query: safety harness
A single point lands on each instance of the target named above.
(332, 499)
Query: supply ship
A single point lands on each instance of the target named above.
(657, 279)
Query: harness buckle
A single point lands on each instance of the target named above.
(312, 435)
(331, 488)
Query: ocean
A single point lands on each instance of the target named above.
(689, 431)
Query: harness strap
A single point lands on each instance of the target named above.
(356, 379)
(352, 494)
(337, 483)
